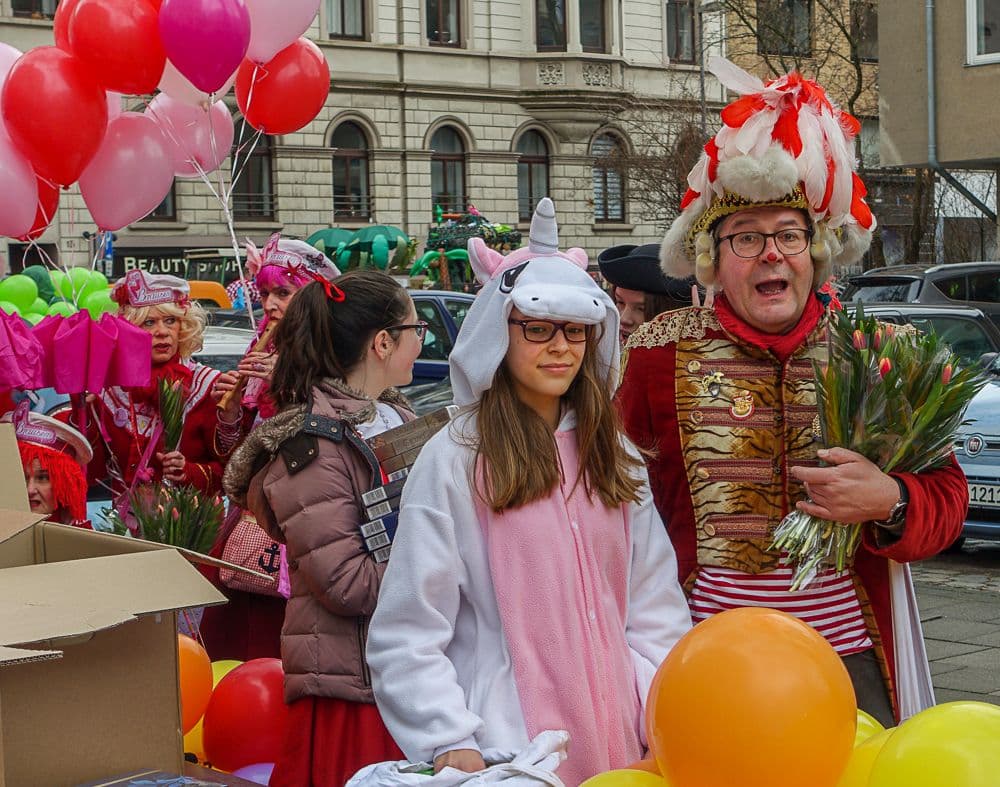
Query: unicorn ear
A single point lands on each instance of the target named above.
(578, 256)
(484, 260)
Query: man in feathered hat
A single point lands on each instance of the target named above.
(726, 395)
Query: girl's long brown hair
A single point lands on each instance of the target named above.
(516, 449)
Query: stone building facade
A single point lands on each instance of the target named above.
(493, 103)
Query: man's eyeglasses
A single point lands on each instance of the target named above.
(541, 331)
(419, 328)
(792, 240)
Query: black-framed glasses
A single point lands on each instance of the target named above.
(791, 240)
(419, 328)
(541, 331)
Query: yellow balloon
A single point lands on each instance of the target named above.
(867, 727)
(222, 668)
(859, 767)
(193, 742)
(956, 744)
(625, 778)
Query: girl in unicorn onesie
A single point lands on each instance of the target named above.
(531, 585)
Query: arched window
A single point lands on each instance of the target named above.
(609, 185)
(351, 197)
(532, 173)
(253, 194)
(448, 171)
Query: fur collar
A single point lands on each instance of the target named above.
(266, 438)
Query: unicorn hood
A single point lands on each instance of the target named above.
(541, 282)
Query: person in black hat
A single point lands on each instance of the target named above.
(639, 288)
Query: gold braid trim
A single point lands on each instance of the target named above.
(730, 203)
(672, 326)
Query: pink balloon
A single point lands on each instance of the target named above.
(7, 57)
(205, 39)
(175, 85)
(130, 174)
(190, 131)
(114, 104)
(18, 190)
(275, 24)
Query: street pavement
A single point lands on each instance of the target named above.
(959, 598)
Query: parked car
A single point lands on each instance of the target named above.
(961, 283)
(978, 451)
(965, 328)
(444, 312)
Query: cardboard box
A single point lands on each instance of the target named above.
(88, 646)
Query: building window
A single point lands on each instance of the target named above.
(253, 194)
(550, 25)
(864, 29)
(609, 186)
(680, 31)
(166, 210)
(869, 143)
(34, 9)
(448, 171)
(784, 27)
(532, 173)
(345, 18)
(442, 23)
(983, 20)
(592, 25)
(351, 198)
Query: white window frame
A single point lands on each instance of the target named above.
(971, 25)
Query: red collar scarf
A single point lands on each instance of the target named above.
(781, 345)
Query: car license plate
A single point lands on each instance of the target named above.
(984, 495)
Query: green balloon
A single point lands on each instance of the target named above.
(98, 303)
(62, 308)
(19, 290)
(97, 282)
(38, 306)
(63, 285)
(32, 318)
(9, 307)
(79, 277)
(42, 278)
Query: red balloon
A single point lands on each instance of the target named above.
(119, 40)
(60, 24)
(48, 201)
(246, 717)
(55, 112)
(285, 93)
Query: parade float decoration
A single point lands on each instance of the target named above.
(446, 260)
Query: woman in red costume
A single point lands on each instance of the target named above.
(54, 456)
(249, 626)
(125, 428)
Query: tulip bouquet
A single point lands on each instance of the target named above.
(181, 516)
(894, 396)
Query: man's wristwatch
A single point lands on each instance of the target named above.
(897, 514)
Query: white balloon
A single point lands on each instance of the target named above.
(177, 86)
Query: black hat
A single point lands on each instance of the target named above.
(638, 268)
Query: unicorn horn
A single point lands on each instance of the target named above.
(544, 235)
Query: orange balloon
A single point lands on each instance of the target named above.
(195, 670)
(752, 697)
(649, 766)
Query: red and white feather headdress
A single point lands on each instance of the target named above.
(782, 144)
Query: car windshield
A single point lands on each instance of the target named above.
(878, 292)
(968, 340)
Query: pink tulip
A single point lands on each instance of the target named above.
(877, 342)
(884, 367)
(860, 340)
(946, 374)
